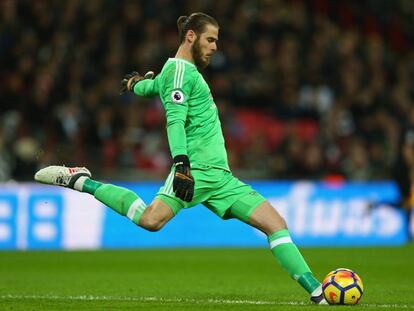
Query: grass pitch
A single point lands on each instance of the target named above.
(194, 279)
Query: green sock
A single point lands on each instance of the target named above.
(289, 257)
(121, 200)
(90, 186)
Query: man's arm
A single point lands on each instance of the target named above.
(146, 88)
(174, 94)
(176, 115)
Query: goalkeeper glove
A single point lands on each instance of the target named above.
(130, 79)
(183, 183)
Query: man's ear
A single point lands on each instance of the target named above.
(191, 36)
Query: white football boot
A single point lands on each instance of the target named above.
(61, 175)
(317, 297)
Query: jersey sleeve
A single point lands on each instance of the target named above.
(147, 87)
(177, 86)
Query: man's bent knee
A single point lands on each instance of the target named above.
(267, 219)
(150, 223)
(155, 216)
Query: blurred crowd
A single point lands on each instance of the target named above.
(333, 81)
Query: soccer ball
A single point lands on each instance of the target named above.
(342, 287)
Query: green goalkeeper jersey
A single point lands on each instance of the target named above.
(193, 125)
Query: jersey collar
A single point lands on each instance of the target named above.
(181, 60)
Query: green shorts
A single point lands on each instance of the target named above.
(218, 190)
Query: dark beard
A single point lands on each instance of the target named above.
(196, 54)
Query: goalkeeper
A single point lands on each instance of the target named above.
(200, 172)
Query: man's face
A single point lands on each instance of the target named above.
(205, 46)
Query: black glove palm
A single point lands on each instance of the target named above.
(183, 183)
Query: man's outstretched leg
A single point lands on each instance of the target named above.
(124, 201)
(268, 220)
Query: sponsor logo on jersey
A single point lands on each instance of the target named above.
(177, 96)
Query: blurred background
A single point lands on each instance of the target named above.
(307, 90)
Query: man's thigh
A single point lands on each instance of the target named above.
(233, 198)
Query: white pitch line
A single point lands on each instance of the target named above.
(186, 300)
